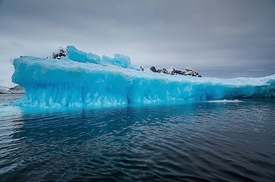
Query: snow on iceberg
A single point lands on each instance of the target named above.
(85, 80)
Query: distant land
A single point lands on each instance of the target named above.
(13, 90)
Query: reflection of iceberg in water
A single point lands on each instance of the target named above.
(86, 80)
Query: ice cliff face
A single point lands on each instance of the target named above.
(85, 80)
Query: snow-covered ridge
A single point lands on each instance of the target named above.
(85, 80)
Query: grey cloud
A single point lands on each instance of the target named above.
(232, 37)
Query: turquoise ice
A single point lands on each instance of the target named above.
(85, 80)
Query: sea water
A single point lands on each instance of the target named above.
(198, 141)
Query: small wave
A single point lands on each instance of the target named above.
(225, 100)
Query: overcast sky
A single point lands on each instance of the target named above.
(217, 38)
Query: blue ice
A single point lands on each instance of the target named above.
(85, 80)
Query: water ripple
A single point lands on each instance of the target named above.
(186, 142)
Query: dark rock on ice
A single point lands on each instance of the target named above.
(59, 53)
(153, 69)
(185, 72)
(165, 71)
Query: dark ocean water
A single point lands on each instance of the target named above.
(206, 141)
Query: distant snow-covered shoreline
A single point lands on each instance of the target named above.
(13, 90)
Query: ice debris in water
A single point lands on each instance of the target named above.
(81, 79)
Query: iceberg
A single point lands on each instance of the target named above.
(83, 79)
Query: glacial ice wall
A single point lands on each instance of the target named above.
(86, 80)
